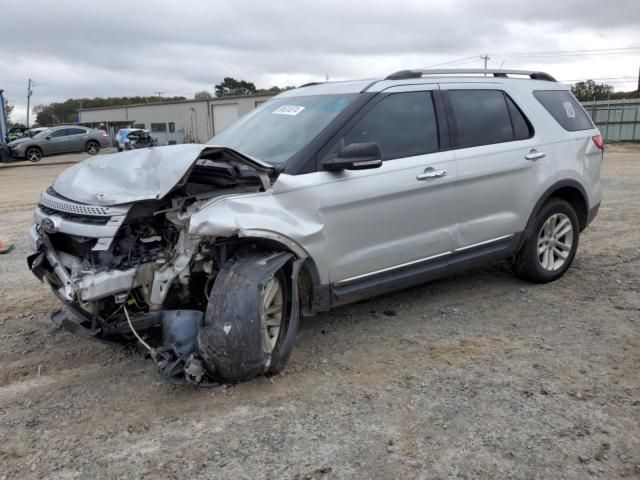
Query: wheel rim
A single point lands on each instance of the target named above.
(271, 312)
(92, 149)
(555, 240)
(33, 155)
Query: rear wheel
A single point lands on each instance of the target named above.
(93, 148)
(551, 245)
(33, 154)
(250, 323)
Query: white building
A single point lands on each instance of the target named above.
(184, 121)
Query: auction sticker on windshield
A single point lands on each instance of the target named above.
(288, 110)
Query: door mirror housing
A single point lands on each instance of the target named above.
(355, 156)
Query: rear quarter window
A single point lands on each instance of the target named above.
(565, 109)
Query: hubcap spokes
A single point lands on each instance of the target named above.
(271, 313)
(555, 241)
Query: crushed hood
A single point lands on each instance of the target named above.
(135, 175)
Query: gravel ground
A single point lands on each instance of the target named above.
(477, 376)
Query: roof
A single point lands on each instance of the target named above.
(173, 102)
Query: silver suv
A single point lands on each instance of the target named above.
(327, 194)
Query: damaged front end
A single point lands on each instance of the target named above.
(111, 238)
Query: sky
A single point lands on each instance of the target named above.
(75, 49)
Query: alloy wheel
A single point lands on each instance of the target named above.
(34, 155)
(271, 313)
(555, 240)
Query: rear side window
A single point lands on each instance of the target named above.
(402, 124)
(483, 117)
(565, 109)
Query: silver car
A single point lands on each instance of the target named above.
(62, 139)
(327, 194)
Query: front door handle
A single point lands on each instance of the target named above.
(431, 173)
(534, 155)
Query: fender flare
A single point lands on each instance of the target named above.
(548, 193)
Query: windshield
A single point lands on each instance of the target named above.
(281, 127)
(43, 133)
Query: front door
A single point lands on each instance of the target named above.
(385, 220)
(56, 142)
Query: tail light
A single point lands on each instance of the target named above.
(597, 140)
(104, 134)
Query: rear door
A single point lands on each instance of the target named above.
(382, 222)
(76, 139)
(501, 164)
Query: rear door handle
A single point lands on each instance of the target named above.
(431, 173)
(534, 155)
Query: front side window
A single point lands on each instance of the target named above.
(565, 109)
(59, 133)
(75, 131)
(402, 124)
(280, 128)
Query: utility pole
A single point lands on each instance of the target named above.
(638, 79)
(29, 93)
(486, 58)
(159, 94)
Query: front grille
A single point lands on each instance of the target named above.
(90, 220)
(74, 208)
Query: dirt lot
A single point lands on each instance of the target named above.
(476, 376)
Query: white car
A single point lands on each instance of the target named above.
(327, 194)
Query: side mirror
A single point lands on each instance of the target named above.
(355, 156)
(48, 137)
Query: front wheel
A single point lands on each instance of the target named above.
(93, 148)
(551, 245)
(33, 154)
(251, 320)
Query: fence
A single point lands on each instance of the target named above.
(618, 120)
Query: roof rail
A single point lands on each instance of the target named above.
(406, 74)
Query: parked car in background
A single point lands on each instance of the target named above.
(15, 133)
(62, 139)
(134, 138)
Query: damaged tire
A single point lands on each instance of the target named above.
(251, 319)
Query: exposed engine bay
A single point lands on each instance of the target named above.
(139, 139)
(128, 272)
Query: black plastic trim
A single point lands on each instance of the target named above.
(592, 213)
(427, 271)
(548, 193)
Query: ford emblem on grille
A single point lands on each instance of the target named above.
(50, 225)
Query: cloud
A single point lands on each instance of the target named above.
(76, 49)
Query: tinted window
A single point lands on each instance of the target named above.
(158, 127)
(59, 133)
(402, 124)
(481, 116)
(139, 125)
(521, 127)
(75, 131)
(565, 109)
